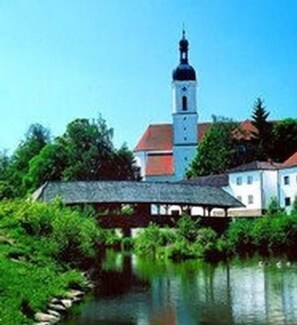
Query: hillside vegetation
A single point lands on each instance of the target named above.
(41, 248)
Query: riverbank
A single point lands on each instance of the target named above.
(269, 235)
(42, 251)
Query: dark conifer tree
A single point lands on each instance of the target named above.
(262, 138)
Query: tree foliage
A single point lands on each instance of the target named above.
(284, 139)
(84, 152)
(35, 139)
(263, 135)
(217, 150)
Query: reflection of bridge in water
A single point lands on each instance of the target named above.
(109, 197)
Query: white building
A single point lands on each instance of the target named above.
(288, 183)
(254, 184)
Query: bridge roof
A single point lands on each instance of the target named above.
(84, 192)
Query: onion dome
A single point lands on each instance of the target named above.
(184, 71)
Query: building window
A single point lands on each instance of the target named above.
(238, 180)
(287, 201)
(184, 103)
(286, 180)
(239, 198)
(250, 199)
(250, 180)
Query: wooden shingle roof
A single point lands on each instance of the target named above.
(135, 192)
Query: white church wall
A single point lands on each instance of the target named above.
(184, 88)
(185, 129)
(140, 158)
(183, 155)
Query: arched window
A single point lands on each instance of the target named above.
(184, 103)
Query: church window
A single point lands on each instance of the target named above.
(184, 103)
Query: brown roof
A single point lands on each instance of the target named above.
(245, 131)
(291, 161)
(256, 165)
(217, 180)
(160, 164)
(159, 137)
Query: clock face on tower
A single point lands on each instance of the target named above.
(184, 89)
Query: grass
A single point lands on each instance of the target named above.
(41, 248)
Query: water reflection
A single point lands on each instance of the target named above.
(131, 291)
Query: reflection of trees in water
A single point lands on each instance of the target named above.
(110, 283)
(198, 293)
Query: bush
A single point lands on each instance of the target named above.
(239, 235)
(187, 228)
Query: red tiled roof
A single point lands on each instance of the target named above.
(160, 164)
(245, 131)
(158, 137)
(291, 161)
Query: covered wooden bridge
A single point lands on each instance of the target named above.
(111, 198)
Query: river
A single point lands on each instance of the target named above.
(135, 291)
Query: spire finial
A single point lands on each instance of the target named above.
(183, 31)
(183, 47)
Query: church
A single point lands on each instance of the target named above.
(165, 150)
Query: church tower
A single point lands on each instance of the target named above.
(185, 133)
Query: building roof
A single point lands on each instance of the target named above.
(245, 131)
(218, 180)
(291, 161)
(135, 192)
(184, 70)
(159, 164)
(159, 137)
(256, 165)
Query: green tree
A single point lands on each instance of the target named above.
(217, 150)
(36, 138)
(6, 189)
(84, 152)
(48, 165)
(284, 139)
(262, 138)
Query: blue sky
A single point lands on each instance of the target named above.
(61, 60)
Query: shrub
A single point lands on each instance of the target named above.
(187, 228)
(239, 235)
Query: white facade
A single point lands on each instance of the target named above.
(255, 189)
(184, 125)
(287, 187)
(140, 158)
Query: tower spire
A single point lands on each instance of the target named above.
(183, 48)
